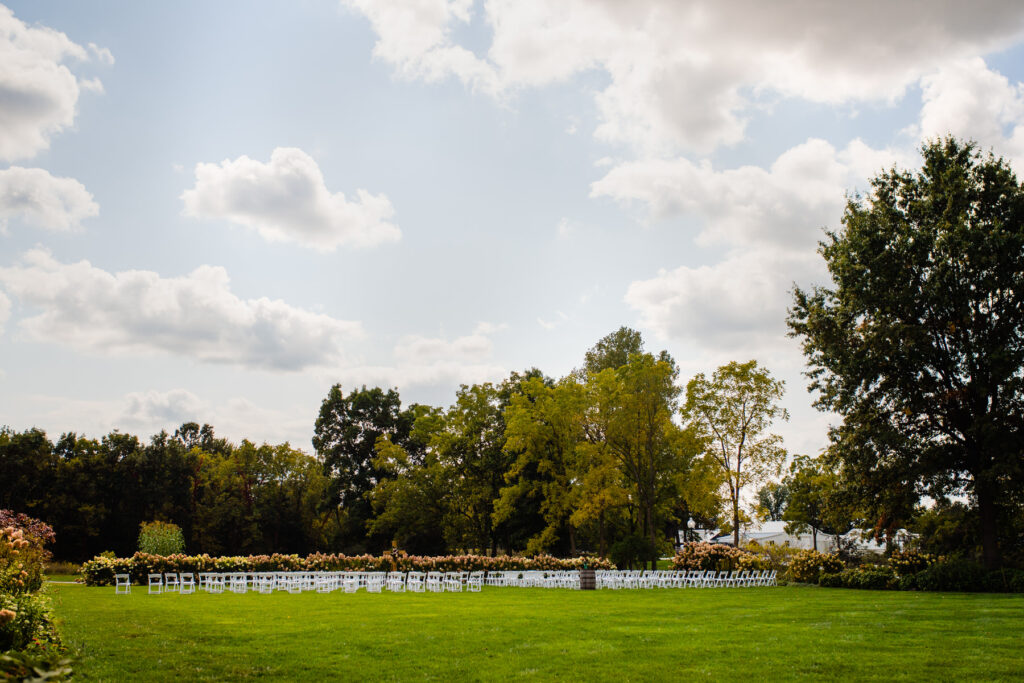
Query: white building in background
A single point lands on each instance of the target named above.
(774, 533)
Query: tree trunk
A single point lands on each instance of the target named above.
(989, 529)
(653, 534)
(814, 537)
(736, 519)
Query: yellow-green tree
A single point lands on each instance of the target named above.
(732, 413)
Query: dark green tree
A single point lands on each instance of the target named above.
(816, 502)
(918, 342)
(772, 499)
(346, 432)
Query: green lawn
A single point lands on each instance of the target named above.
(501, 633)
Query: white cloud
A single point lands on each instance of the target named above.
(968, 100)
(437, 361)
(44, 200)
(785, 205)
(38, 93)
(738, 304)
(415, 36)
(549, 325)
(286, 200)
(163, 408)
(148, 412)
(5, 311)
(684, 74)
(196, 316)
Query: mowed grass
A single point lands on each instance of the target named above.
(509, 633)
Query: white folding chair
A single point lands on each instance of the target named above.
(186, 584)
(396, 582)
(414, 582)
(170, 582)
(435, 582)
(475, 582)
(122, 584)
(156, 584)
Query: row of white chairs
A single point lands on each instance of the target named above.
(684, 579)
(298, 582)
(438, 582)
(534, 579)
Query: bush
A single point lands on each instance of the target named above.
(831, 580)
(708, 556)
(910, 562)
(874, 578)
(25, 623)
(28, 666)
(1006, 581)
(952, 575)
(22, 552)
(808, 565)
(160, 538)
(871, 578)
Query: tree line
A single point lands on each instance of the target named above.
(607, 460)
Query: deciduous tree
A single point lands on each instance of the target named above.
(918, 342)
(732, 413)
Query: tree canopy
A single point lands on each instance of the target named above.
(918, 341)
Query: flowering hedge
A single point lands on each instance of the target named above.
(713, 556)
(808, 565)
(100, 571)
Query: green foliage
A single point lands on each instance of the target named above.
(807, 566)
(775, 557)
(25, 623)
(815, 498)
(868, 578)
(731, 414)
(909, 562)
(160, 538)
(919, 342)
(345, 438)
(633, 551)
(31, 666)
(772, 499)
(952, 575)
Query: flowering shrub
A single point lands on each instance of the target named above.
(100, 570)
(713, 556)
(775, 557)
(910, 562)
(160, 538)
(24, 616)
(807, 565)
(22, 552)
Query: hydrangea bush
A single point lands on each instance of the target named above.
(712, 556)
(808, 565)
(25, 623)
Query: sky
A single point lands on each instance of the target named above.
(213, 212)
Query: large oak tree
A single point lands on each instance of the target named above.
(918, 342)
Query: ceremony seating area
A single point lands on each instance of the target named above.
(438, 582)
